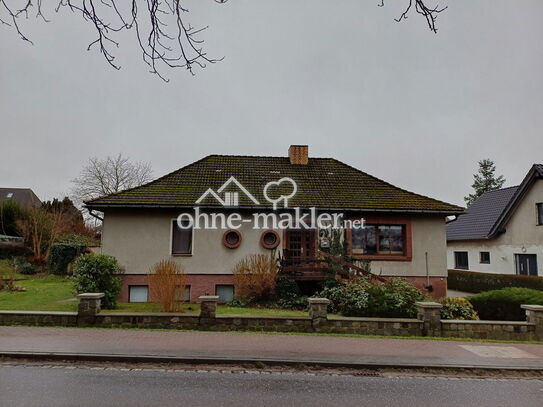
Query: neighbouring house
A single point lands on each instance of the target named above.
(404, 233)
(25, 197)
(502, 231)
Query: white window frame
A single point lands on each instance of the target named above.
(171, 242)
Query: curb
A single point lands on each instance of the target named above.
(199, 360)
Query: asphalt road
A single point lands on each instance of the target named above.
(85, 386)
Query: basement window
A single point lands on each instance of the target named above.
(182, 293)
(181, 238)
(138, 293)
(225, 292)
(484, 257)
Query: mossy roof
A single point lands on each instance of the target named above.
(323, 183)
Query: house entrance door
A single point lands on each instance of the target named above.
(526, 264)
(301, 245)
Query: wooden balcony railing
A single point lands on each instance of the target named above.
(324, 266)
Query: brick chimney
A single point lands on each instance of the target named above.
(298, 154)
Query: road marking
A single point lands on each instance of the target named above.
(504, 352)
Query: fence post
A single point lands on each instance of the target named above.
(89, 306)
(430, 314)
(534, 315)
(208, 306)
(318, 311)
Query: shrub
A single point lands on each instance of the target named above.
(475, 282)
(96, 273)
(255, 278)
(289, 295)
(296, 303)
(61, 255)
(21, 265)
(167, 285)
(237, 303)
(360, 297)
(457, 308)
(504, 304)
(79, 240)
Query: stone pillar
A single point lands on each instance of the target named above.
(208, 306)
(534, 315)
(88, 308)
(429, 314)
(318, 311)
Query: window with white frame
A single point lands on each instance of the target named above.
(484, 257)
(181, 238)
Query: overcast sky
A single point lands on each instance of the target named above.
(392, 99)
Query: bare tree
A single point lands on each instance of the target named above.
(429, 13)
(165, 37)
(105, 176)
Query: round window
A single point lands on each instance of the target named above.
(231, 239)
(269, 239)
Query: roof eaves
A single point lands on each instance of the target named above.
(175, 206)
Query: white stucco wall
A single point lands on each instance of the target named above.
(141, 238)
(429, 236)
(522, 236)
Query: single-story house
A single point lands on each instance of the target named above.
(25, 197)
(404, 233)
(502, 231)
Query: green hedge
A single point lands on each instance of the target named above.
(96, 273)
(475, 282)
(504, 304)
(62, 254)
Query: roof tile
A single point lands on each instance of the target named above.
(322, 183)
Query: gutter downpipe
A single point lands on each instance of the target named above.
(428, 286)
(94, 215)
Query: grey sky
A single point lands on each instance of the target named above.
(393, 99)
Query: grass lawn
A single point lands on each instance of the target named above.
(54, 293)
(43, 293)
(195, 309)
(5, 266)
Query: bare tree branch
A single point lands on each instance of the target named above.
(165, 38)
(429, 13)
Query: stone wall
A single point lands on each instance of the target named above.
(427, 322)
(499, 330)
(38, 318)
